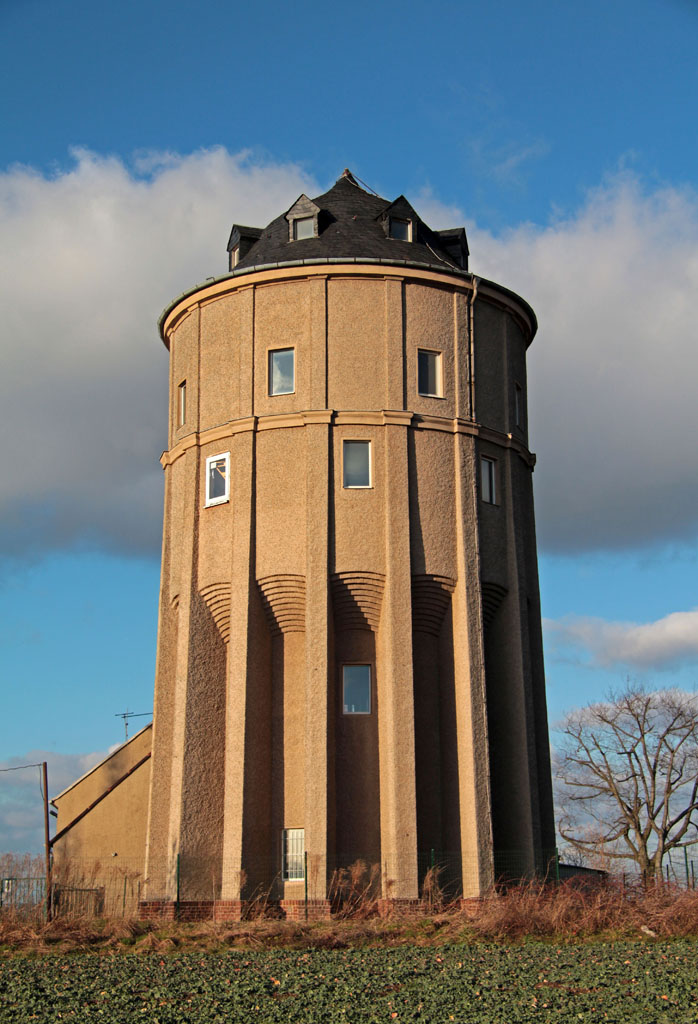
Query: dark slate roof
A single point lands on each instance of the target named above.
(351, 225)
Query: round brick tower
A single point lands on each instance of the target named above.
(349, 654)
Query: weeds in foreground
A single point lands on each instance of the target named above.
(566, 912)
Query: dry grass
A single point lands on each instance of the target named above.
(581, 910)
(567, 912)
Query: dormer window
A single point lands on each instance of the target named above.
(234, 256)
(303, 227)
(399, 228)
(302, 219)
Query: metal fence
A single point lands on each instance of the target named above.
(97, 889)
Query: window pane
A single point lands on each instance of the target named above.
(293, 840)
(357, 464)
(182, 404)
(400, 229)
(217, 481)
(428, 373)
(488, 494)
(282, 372)
(356, 689)
(304, 227)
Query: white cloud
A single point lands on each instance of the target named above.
(21, 802)
(89, 258)
(612, 372)
(668, 643)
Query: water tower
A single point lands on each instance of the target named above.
(349, 654)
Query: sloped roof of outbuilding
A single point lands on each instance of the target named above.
(351, 225)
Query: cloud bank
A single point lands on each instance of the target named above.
(668, 643)
(91, 255)
(612, 371)
(89, 259)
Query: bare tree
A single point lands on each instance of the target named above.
(629, 774)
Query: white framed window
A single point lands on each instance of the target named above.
(182, 404)
(356, 463)
(399, 228)
(234, 256)
(518, 405)
(217, 479)
(303, 227)
(281, 377)
(488, 480)
(429, 373)
(356, 689)
(292, 854)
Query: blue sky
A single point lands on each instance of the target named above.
(562, 136)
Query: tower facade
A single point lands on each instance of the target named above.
(349, 654)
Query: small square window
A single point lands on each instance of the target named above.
(356, 463)
(429, 373)
(282, 371)
(292, 854)
(217, 479)
(356, 689)
(303, 227)
(182, 404)
(401, 229)
(488, 480)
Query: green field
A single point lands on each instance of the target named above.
(643, 982)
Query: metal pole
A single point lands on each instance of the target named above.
(305, 876)
(177, 899)
(47, 841)
(685, 857)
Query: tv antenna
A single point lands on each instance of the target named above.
(131, 714)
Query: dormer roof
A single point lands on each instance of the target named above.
(351, 223)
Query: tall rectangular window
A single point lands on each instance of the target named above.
(488, 480)
(292, 854)
(356, 463)
(429, 373)
(356, 689)
(217, 479)
(182, 404)
(282, 371)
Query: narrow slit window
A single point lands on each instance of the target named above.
(356, 689)
(518, 405)
(488, 479)
(303, 227)
(293, 854)
(182, 404)
(282, 371)
(356, 463)
(217, 479)
(429, 373)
